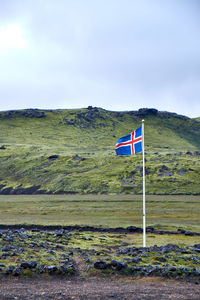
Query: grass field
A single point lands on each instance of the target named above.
(163, 212)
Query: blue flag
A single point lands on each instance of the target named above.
(130, 144)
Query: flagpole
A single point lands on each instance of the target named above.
(144, 210)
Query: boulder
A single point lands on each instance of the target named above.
(134, 229)
(169, 248)
(17, 271)
(41, 268)
(136, 260)
(9, 270)
(29, 265)
(182, 171)
(118, 265)
(52, 269)
(53, 157)
(101, 264)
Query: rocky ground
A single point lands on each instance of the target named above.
(73, 264)
(26, 252)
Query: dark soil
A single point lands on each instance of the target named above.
(130, 229)
(97, 288)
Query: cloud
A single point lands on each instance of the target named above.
(116, 54)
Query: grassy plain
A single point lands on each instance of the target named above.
(163, 211)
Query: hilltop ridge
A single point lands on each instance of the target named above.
(40, 113)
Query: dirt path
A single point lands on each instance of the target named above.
(97, 288)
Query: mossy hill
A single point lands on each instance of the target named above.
(72, 151)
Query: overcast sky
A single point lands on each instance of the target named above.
(114, 54)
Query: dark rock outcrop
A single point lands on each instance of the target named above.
(27, 113)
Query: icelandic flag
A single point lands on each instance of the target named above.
(130, 144)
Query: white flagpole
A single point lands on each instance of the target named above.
(144, 212)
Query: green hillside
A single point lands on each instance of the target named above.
(72, 151)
